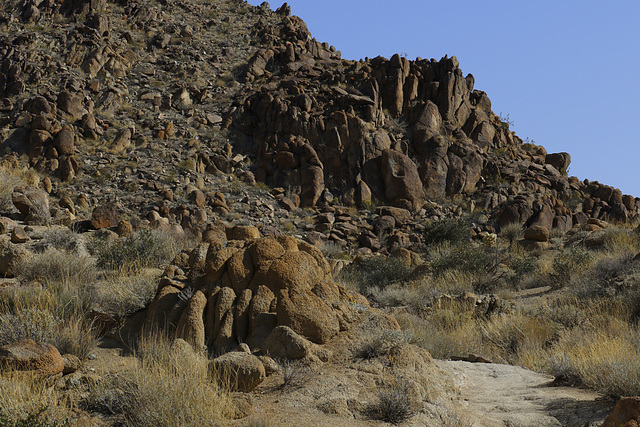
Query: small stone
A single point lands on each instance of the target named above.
(18, 235)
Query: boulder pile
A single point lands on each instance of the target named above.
(239, 290)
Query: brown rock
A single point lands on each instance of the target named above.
(284, 343)
(18, 235)
(243, 232)
(537, 233)
(191, 324)
(625, 414)
(32, 203)
(307, 315)
(71, 363)
(11, 256)
(401, 180)
(243, 372)
(104, 216)
(198, 198)
(27, 355)
(65, 141)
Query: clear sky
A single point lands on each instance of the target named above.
(566, 72)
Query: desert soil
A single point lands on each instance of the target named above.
(504, 395)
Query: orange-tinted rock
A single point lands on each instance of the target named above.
(27, 355)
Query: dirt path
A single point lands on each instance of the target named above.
(503, 395)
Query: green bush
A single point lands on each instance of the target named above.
(462, 257)
(569, 262)
(146, 248)
(453, 230)
(375, 272)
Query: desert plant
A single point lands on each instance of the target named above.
(511, 233)
(378, 345)
(395, 404)
(295, 373)
(145, 248)
(569, 262)
(170, 386)
(461, 257)
(122, 294)
(452, 230)
(59, 268)
(374, 272)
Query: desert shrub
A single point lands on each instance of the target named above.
(72, 335)
(395, 403)
(511, 334)
(614, 275)
(63, 239)
(332, 250)
(444, 333)
(146, 248)
(569, 262)
(26, 401)
(121, 295)
(295, 373)
(461, 257)
(452, 230)
(170, 386)
(601, 361)
(379, 345)
(374, 272)
(511, 233)
(59, 268)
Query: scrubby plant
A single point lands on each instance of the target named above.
(461, 257)
(59, 268)
(295, 373)
(380, 344)
(145, 248)
(170, 386)
(569, 262)
(374, 272)
(395, 404)
(452, 230)
(511, 233)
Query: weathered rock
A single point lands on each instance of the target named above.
(625, 414)
(18, 235)
(241, 371)
(284, 343)
(32, 203)
(26, 355)
(307, 315)
(191, 324)
(243, 232)
(402, 183)
(11, 256)
(104, 216)
(537, 233)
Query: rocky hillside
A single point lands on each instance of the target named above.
(152, 104)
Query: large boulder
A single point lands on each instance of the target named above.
(33, 204)
(240, 370)
(104, 216)
(402, 183)
(26, 355)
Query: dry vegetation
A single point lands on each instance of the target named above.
(581, 327)
(63, 286)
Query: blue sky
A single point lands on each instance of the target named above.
(566, 72)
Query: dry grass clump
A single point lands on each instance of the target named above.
(395, 401)
(146, 248)
(374, 274)
(54, 267)
(28, 401)
(171, 386)
(123, 294)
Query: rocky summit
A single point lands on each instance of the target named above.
(208, 175)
